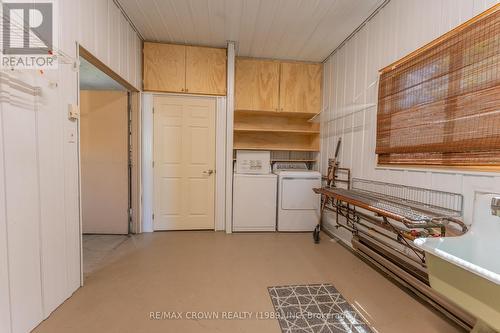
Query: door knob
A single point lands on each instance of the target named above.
(208, 172)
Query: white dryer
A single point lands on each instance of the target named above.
(298, 206)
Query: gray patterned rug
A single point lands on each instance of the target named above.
(315, 308)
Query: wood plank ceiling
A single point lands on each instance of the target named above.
(282, 29)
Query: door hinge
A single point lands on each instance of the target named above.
(130, 212)
(153, 110)
(153, 216)
(153, 163)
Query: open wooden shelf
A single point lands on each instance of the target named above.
(276, 141)
(276, 149)
(285, 160)
(258, 120)
(269, 130)
(280, 132)
(301, 115)
(289, 160)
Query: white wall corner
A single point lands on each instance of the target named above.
(229, 135)
(147, 162)
(220, 167)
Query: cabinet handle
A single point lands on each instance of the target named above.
(186, 90)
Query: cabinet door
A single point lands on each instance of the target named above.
(164, 67)
(256, 85)
(300, 87)
(205, 70)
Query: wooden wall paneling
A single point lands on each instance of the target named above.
(340, 88)
(472, 183)
(39, 196)
(347, 118)
(448, 182)
(139, 69)
(114, 36)
(22, 211)
(124, 48)
(360, 97)
(102, 29)
(324, 126)
(482, 5)
(331, 137)
(206, 70)
(86, 13)
(442, 35)
(386, 42)
(164, 67)
(69, 22)
(52, 212)
(132, 61)
(418, 178)
(68, 93)
(257, 84)
(5, 315)
(300, 87)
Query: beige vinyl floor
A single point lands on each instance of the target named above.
(192, 272)
(100, 250)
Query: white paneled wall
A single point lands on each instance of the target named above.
(106, 33)
(351, 79)
(39, 168)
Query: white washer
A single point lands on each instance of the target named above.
(298, 206)
(254, 202)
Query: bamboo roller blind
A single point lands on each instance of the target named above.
(442, 105)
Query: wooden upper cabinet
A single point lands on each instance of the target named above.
(164, 67)
(300, 87)
(257, 84)
(184, 69)
(206, 70)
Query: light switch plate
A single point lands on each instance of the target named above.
(71, 135)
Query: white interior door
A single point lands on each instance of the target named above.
(184, 162)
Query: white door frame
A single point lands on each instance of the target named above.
(147, 159)
(80, 51)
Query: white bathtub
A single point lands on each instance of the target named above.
(466, 269)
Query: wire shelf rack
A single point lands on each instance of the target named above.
(437, 203)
